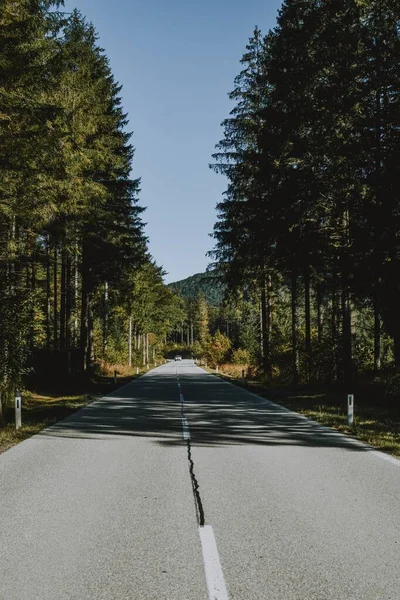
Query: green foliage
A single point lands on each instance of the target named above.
(201, 284)
(241, 356)
(217, 349)
(74, 267)
(311, 154)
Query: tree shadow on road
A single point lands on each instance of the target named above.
(218, 414)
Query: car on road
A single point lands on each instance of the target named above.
(177, 357)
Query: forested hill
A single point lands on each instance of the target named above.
(200, 283)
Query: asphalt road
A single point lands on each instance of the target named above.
(185, 487)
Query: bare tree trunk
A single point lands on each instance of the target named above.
(105, 320)
(334, 328)
(90, 339)
(32, 283)
(396, 347)
(63, 293)
(147, 348)
(68, 307)
(265, 341)
(2, 415)
(76, 296)
(295, 349)
(319, 313)
(55, 297)
(269, 315)
(84, 326)
(48, 295)
(144, 349)
(347, 345)
(377, 340)
(307, 310)
(130, 342)
(86, 341)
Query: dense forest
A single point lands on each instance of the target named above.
(200, 284)
(77, 283)
(307, 236)
(304, 283)
(310, 219)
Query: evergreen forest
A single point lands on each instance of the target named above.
(77, 283)
(303, 284)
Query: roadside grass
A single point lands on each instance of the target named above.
(55, 400)
(39, 411)
(374, 423)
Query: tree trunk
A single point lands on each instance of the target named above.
(295, 349)
(90, 337)
(319, 313)
(105, 320)
(63, 295)
(334, 329)
(396, 348)
(130, 342)
(68, 303)
(48, 295)
(307, 311)
(377, 340)
(86, 341)
(55, 298)
(265, 346)
(144, 349)
(33, 288)
(76, 296)
(347, 342)
(2, 415)
(84, 327)
(269, 322)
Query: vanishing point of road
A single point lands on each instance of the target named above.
(181, 486)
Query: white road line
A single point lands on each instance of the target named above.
(212, 565)
(392, 459)
(185, 427)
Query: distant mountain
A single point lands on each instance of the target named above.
(201, 283)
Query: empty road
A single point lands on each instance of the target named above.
(180, 486)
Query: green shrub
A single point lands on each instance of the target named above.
(241, 357)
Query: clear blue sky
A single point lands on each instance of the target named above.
(176, 60)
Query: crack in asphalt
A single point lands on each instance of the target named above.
(195, 485)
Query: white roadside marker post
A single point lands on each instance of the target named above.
(18, 411)
(217, 369)
(137, 370)
(350, 409)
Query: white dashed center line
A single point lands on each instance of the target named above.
(212, 564)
